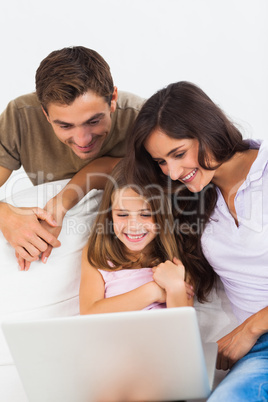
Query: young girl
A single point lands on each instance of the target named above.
(182, 139)
(127, 263)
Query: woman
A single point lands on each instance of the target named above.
(219, 181)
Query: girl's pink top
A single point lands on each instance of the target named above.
(124, 280)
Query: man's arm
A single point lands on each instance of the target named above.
(21, 226)
(4, 175)
(92, 176)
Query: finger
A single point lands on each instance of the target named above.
(34, 247)
(176, 261)
(47, 237)
(189, 290)
(46, 254)
(225, 364)
(45, 216)
(25, 255)
(34, 244)
(21, 262)
(27, 265)
(218, 363)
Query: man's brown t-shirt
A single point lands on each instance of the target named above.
(27, 139)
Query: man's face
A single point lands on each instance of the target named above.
(83, 125)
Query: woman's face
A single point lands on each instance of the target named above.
(178, 158)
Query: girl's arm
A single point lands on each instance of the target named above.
(92, 290)
(171, 277)
(238, 343)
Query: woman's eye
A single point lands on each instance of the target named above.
(161, 163)
(180, 155)
(146, 215)
(122, 215)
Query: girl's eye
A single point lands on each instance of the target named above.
(146, 215)
(122, 215)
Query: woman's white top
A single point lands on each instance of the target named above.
(239, 254)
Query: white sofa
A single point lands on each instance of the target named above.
(51, 290)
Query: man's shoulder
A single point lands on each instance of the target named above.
(26, 101)
(128, 100)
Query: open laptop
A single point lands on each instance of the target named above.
(154, 355)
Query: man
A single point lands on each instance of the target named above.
(76, 120)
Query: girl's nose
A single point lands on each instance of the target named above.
(133, 223)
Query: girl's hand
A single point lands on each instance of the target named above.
(166, 273)
(171, 277)
(160, 293)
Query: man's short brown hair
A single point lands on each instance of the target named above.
(69, 73)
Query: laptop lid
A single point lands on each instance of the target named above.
(154, 355)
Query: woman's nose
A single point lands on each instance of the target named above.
(174, 171)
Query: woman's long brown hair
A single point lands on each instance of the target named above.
(182, 110)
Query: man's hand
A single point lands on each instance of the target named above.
(25, 265)
(23, 230)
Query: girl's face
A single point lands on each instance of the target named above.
(178, 158)
(132, 220)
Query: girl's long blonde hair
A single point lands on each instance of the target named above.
(106, 251)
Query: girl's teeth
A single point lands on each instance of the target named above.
(189, 175)
(135, 236)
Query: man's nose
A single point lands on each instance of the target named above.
(82, 136)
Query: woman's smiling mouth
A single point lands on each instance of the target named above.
(189, 176)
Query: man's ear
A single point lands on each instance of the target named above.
(114, 100)
(45, 113)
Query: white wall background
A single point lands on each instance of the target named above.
(221, 45)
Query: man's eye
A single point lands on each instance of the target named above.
(94, 122)
(65, 126)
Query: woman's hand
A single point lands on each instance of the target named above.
(238, 343)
